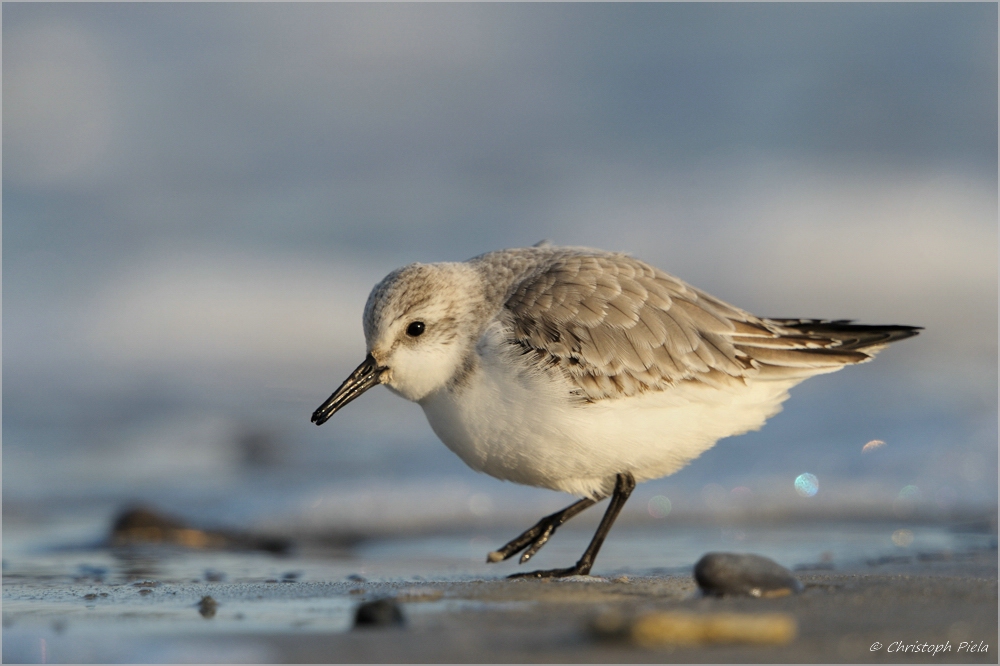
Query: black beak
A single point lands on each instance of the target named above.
(367, 375)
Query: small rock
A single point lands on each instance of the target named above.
(142, 526)
(145, 591)
(356, 578)
(213, 576)
(207, 607)
(379, 613)
(719, 574)
(90, 597)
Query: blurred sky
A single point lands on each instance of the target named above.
(198, 197)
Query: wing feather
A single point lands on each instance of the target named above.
(615, 326)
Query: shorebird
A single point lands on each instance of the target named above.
(583, 371)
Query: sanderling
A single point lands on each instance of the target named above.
(583, 371)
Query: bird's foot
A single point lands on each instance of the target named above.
(532, 540)
(578, 570)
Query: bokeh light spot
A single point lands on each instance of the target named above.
(741, 494)
(906, 502)
(902, 538)
(480, 505)
(806, 485)
(872, 445)
(659, 507)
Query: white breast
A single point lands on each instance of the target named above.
(520, 425)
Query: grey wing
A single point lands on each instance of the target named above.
(615, 326)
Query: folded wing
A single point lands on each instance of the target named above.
(616, 326)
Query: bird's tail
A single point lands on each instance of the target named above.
(848, 336)
(789, 348)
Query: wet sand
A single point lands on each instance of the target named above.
(840, 617)
(948, 600)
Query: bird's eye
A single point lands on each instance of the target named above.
(415, 328)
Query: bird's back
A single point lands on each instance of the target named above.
(617, 327)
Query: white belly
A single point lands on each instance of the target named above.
(521, 427)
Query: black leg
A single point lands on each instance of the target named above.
(539, 534)
(624, 485)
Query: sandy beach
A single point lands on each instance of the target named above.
(149, 605)
(840, 618)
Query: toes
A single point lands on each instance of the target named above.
(549, 573)
(542, 539)
(538, 534)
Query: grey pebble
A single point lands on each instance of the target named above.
(719, 574)
(207, 607)
(379, 613)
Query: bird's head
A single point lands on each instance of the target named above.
(420, 323)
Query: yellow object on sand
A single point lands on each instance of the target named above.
(680, 628)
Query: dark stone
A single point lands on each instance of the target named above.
(379, 613)
(142, 526)
(719, 574)
(207, 607)
(142, 518)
